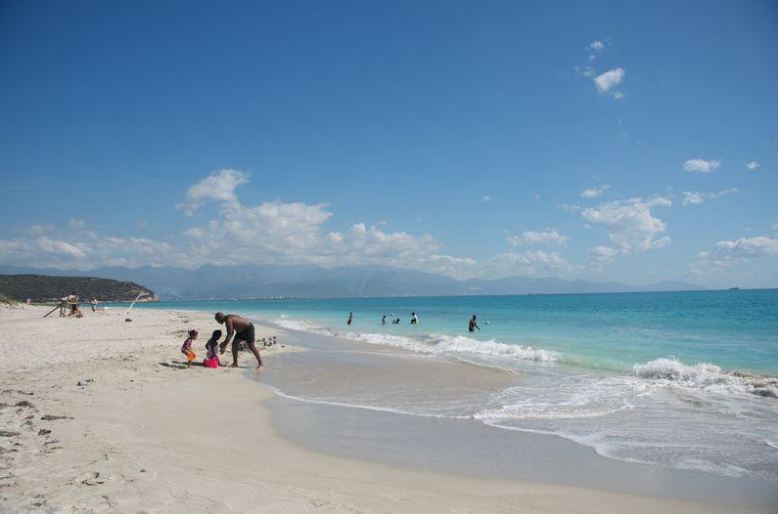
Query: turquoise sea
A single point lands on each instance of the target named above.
(679, 379)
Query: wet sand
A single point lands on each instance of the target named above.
(355, 429)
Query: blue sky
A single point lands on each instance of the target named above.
(452, 137)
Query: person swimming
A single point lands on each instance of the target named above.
(414, 319)
(350, 318)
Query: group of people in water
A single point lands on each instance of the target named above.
(472, 325)
(239, 330)
(395, 321)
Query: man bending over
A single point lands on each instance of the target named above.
(243, 330)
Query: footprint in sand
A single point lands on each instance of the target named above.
(51, 417)
(92, 478)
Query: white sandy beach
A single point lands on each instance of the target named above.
(98, 415)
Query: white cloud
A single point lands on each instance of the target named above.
(487, 199)
(263, 233)
(696, 198)
(753, 165)
(603, 254)
(530, 263)
(727, 253)
(60, 248)
(608, 81)
(86, 250)
(596, 46)
(594, 192)
(219, 186)
(531, 237)
(701, 165)
(630, 224)
(271, 232)
(774, 227)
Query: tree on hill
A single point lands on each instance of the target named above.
(42, 288)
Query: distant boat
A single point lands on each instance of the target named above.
(734, 289)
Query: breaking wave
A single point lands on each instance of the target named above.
(707, 376)
(437, 344)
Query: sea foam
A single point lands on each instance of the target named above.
(706, 376)
(433, 344)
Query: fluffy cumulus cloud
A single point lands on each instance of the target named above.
(696, 198)
(608, 82)
(752, 166)
(274, 232)
(532, 237)
(219, 186)
(701, 165)
(631, 224)
(726, 253)
(594, 192)
(261, 234)
(77, 246)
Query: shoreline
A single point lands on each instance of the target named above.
(112, 423)
(461, 445)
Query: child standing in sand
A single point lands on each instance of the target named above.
(186, 348)
(212, 350)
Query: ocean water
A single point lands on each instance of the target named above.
(680, 379)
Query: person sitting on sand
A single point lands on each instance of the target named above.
(243, 330)
(186, 348)
(68, 303)
(73, 301)
(212, 350)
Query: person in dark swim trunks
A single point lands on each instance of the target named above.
(243, 330)
(473, 325)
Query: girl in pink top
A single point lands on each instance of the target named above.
(212, 350)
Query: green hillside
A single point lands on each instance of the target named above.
(42, 288)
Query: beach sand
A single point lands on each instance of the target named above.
(99, 415)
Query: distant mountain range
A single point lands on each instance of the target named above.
(256, 281)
